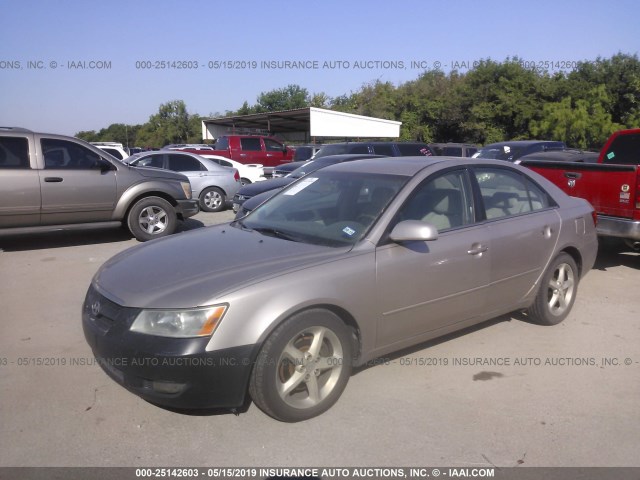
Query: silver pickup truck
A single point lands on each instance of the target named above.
(53, 182)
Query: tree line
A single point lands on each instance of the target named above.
(492, 102)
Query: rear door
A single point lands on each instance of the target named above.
(73, 189)
(19, 183)
(523, 226)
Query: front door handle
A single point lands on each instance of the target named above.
(52, 179)
(477, 249)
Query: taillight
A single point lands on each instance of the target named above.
(594, 216)
(236, 175)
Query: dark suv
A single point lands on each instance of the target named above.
(388, 149)
(52, 182)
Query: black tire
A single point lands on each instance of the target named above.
(316, 380)
(151, 217)
(557, 292)
(212, 199)
(245, 181)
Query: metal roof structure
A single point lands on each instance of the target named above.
(302, 123)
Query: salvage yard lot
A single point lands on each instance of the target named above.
(505, 393)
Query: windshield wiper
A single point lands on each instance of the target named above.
(273, 232)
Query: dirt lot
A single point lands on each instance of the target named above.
(505, 393)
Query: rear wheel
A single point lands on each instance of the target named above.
(303, 367)
(245, 181)
(151, 217)
(557, 292)
(212, 199)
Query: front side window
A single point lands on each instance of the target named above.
(14, 152)
(443, 201)
(62, 154)
(156, 161)
(222, 144)
(506, 193)
(272, 145)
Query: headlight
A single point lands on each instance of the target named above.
(197, 322)
(186, 186)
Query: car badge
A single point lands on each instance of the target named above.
(571, 183)
(625, 188)
(95, 308)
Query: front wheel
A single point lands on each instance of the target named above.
(212, 199)
(557, 292)
(151, 217)
(303, 367)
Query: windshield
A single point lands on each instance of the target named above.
(327, 208)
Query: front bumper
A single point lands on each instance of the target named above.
(171, 372)
(187, 208)
(618, 227)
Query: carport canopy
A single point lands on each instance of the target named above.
(302, 124)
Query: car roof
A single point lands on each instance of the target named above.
(522, 143)
(407, 166)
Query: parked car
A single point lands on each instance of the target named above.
(287, 168)
(454, 149)
(567, 155)
(250, 173)
(346, 265)
(114, 149)
(53, 182)
(387, 149)
(611, 184)
(212, 184)
(513, 150)
(270, 187)
(305, 152)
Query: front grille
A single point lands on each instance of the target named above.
(104, 313)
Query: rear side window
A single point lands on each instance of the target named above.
(14, 152)
(251, 144)
(222, 144)
(359, 149)
(506, 193)
(156, 161)
(63, 154)
(184, 163)
(624, 150)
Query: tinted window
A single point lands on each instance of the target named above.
(383, 150)
(184, 163)
(67, 155)
(251, 144)
(272, 145)
(506, 193)
(14, 152)
(452, 151)
(443, 201)
(625, 149)
(413, 149)
(113, 152)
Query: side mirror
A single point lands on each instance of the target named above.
(413, 231)
(103, 165)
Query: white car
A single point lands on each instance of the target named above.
(113, 148)
(249, 173)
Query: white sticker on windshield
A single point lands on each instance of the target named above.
(507, 149)
(299, 186)
(349, 231)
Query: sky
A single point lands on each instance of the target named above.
(71, 65)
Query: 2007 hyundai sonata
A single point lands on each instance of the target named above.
(345, 265)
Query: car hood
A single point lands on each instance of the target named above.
(192, 269)
(159, 173)
(259, 187)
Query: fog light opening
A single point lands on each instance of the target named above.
(168, 387)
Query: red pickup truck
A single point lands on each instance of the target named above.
(612, 185)
(249, 149)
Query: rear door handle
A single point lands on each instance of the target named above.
(477, 249)
(572, 175)
(52, 179)
(547, 231)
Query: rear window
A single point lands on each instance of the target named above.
(624, 150)
(14, 152)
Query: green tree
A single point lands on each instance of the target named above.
(172, 124)
(287, 98)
